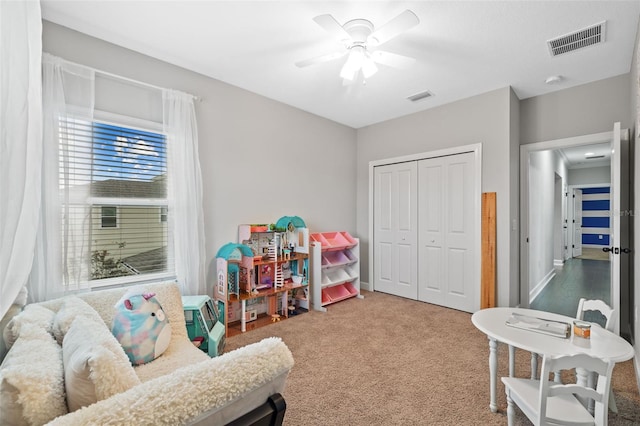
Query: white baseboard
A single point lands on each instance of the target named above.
(558, 263)
(365, 286)
(541, 285)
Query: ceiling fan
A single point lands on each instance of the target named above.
(361, 39)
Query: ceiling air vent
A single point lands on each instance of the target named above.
(420, 96)
(578, 39)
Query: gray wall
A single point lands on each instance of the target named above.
(544, 213)
(480, 119)
(581, 110)
(588, 109)
(501, 123)
(242, 135)
(589, 175)
(260, 159)
(541, 209)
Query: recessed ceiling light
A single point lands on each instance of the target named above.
(589, 154)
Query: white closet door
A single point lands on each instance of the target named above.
(446, 251)
(395, 229)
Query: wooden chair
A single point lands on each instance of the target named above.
(585, 305)
(545, 402)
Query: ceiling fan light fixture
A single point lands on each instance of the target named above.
(354, 63)
(359, 36)
(369, 67)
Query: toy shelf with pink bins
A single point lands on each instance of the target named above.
(335, 267)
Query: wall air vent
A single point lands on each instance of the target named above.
(420, 96)
(577, 40)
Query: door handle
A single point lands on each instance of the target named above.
(615, 250)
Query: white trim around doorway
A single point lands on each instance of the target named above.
(525, 150)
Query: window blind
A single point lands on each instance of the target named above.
(115, 206)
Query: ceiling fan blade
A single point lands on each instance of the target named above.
(392, 59)
(320, 59)
(332, 26)
(397, 25)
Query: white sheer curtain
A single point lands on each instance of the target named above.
(20, 143)
(67, 92)
(185, 190)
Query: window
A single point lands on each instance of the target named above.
(113, 179)
(163, 214)
(109, 217)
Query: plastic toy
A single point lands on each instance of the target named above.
(234, 264)
(203, 326)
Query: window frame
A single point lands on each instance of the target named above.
(132, 123)
(116, 216)
(163, 212)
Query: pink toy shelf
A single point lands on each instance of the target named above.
(333, 240)
(338, 293)
(335, 268)
(337, 258)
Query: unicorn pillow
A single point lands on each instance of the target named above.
(141, 327)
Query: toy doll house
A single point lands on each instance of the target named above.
(263, 278)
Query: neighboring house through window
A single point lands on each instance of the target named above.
(115, 176)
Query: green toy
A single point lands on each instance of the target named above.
(203, 327)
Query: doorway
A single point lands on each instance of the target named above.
(539, 262)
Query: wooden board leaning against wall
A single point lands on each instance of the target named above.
(488, 281)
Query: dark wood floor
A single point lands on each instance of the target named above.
(578, 278)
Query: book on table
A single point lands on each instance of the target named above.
(540, 325)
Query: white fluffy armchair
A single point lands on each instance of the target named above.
(63, 357)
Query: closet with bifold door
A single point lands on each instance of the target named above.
(426, 229)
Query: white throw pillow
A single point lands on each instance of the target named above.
(95, 365)
(71, 308)
(32, 314)
(31, 379)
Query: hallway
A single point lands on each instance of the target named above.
(578, 278)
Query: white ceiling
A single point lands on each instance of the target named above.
(463, 48)
(586, 156)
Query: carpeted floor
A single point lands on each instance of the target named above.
(385, 360)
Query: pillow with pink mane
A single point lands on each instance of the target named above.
(141, 327)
